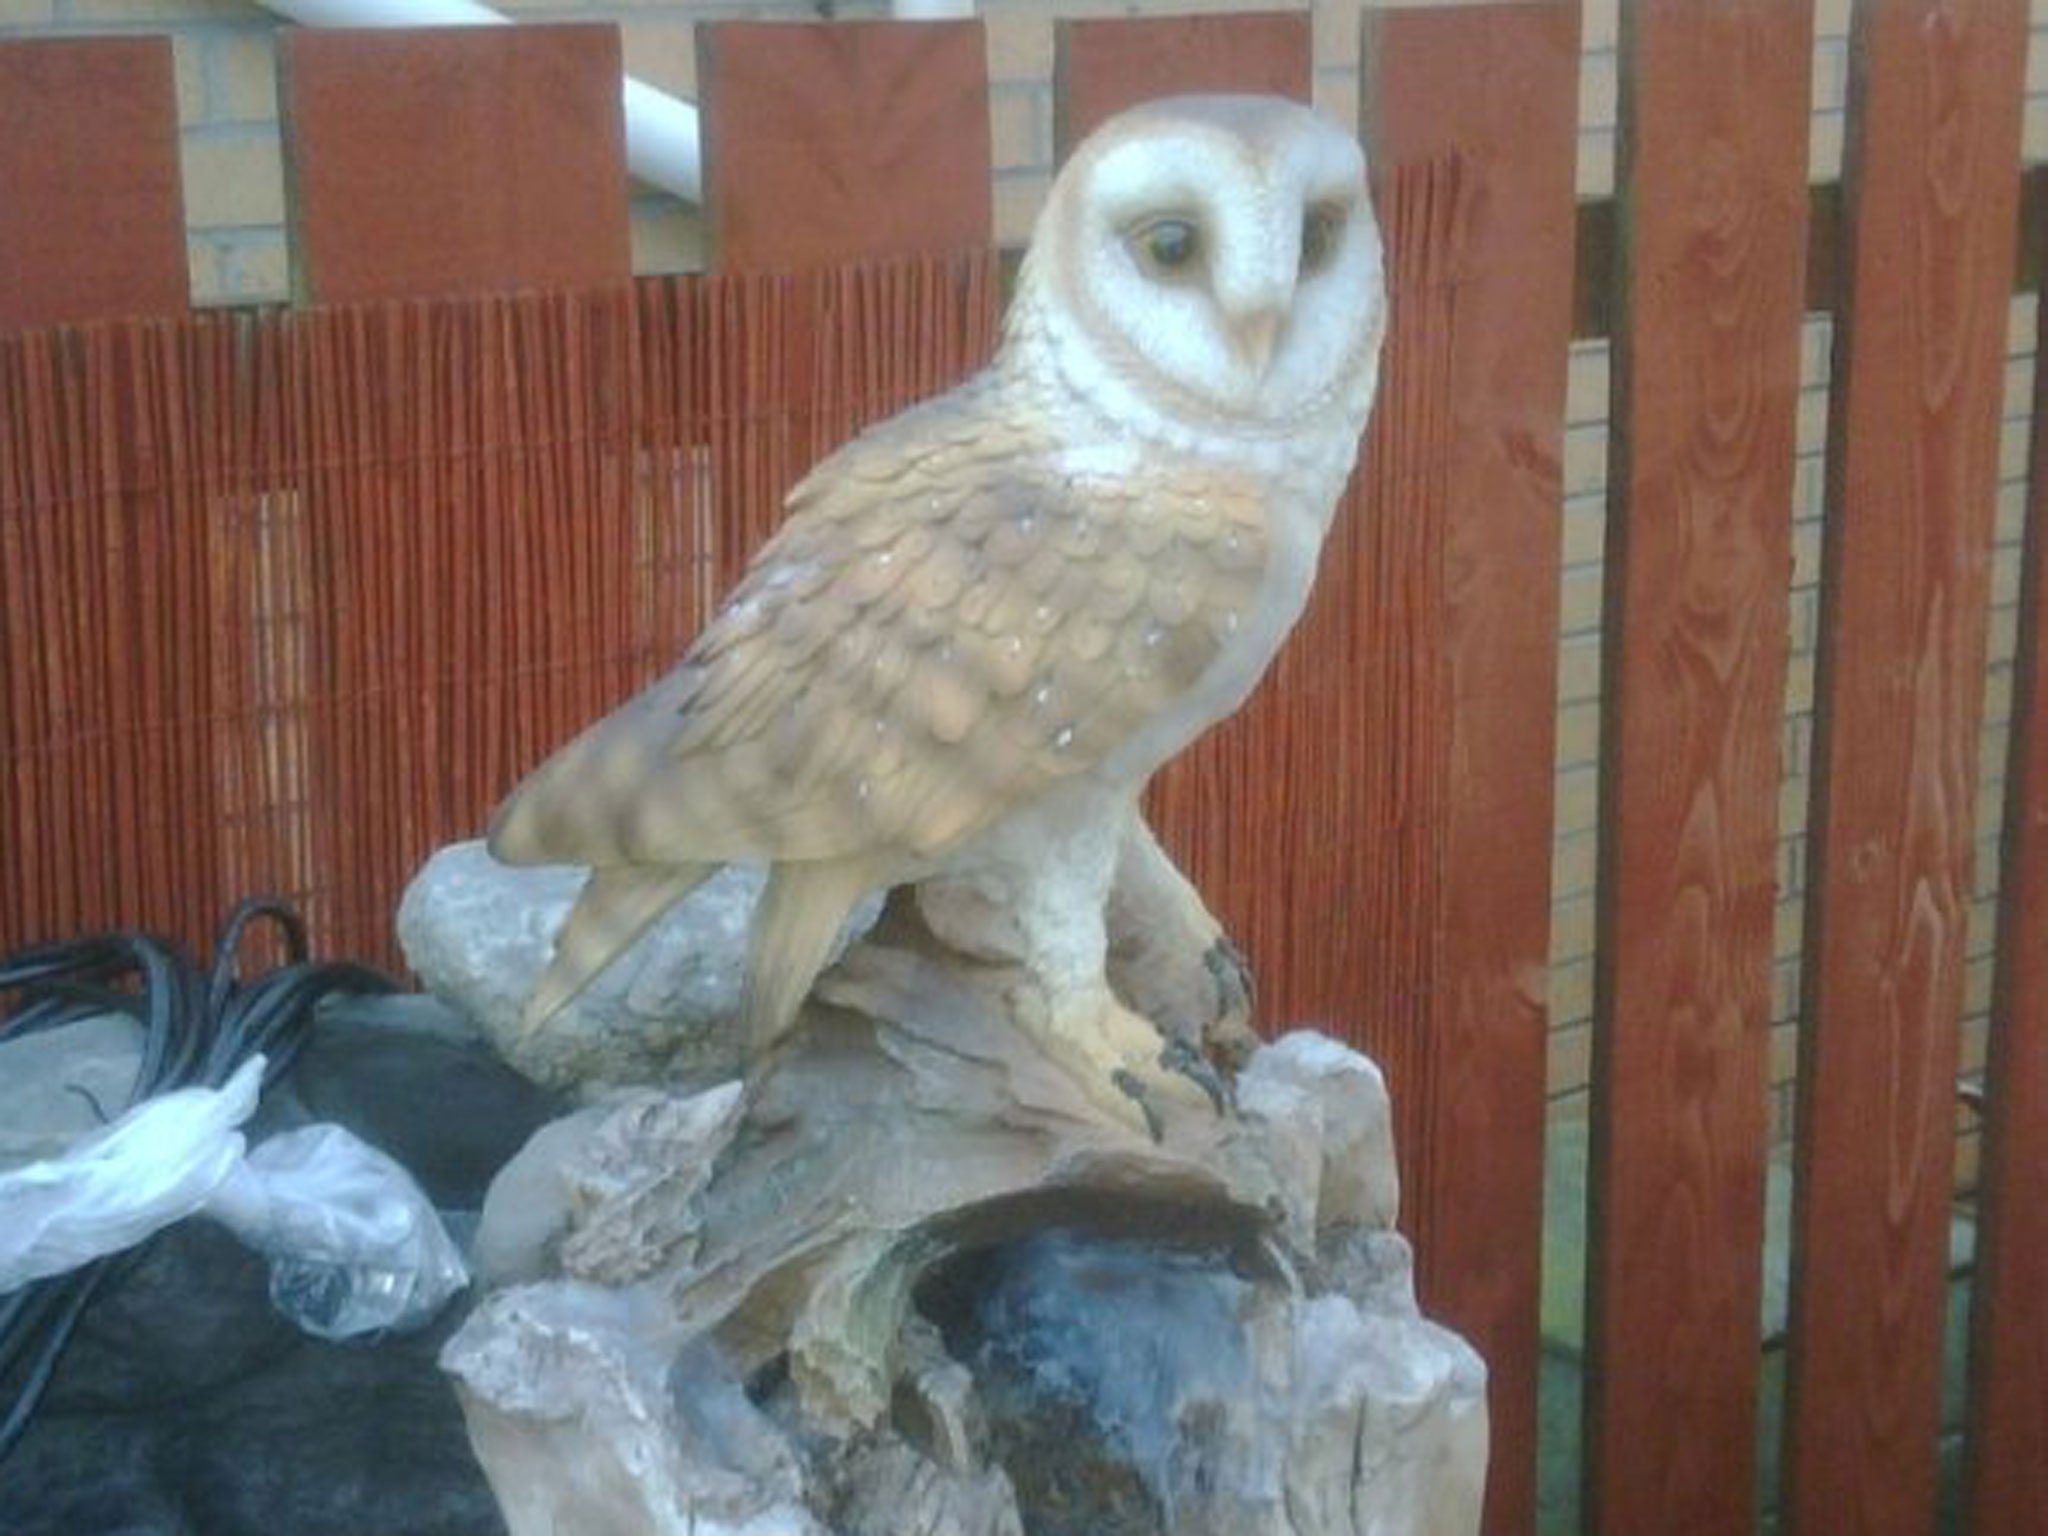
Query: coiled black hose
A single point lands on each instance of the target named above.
(198, 1027)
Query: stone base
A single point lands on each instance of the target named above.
(923, 1283)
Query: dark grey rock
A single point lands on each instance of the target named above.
(186, 1406)
(416, 1081)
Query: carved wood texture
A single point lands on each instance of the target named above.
(1706, 380)
(1919, 352)
(1470, 117)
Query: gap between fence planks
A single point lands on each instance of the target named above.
(2006, 1480)
(1698, 566)
(1934, 134)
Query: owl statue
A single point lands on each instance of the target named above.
(986, 622)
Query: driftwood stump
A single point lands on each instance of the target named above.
(920, 1282)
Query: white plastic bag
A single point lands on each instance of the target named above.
(154, 1165)
(354, 1244)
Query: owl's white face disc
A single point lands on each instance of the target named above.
(1210, 266)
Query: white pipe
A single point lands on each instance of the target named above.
(663, 144)
(931, 10)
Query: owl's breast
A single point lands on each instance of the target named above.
(1295, 518)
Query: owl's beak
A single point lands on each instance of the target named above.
(1254, 334)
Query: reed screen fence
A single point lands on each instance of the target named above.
(291, 599)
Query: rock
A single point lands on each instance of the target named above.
(478, 933)
(616, 1183)
(1338, 1100)
(418, 1082)
(1212, 1333)
(588, 1422)
(1215, 1403)
(186, 1403)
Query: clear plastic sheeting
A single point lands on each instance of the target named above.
(354, 1244)
(156, 1164)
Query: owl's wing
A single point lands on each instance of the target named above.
(946, 624)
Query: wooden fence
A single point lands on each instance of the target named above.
(288, 599)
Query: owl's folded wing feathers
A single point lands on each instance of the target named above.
(944, 626)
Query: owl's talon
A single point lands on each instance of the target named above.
(1179, 1056)
(1134, 1089)
(1228, 1039)
(1236, 989)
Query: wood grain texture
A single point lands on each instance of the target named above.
(1493, 90)
(91, 223)
(1706, 382)
(1103, 65)
(843, 141)
(2007, 1463)
(1919, 357)
(447, 160)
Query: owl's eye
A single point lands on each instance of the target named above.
(1321, 228)
(1170, 247)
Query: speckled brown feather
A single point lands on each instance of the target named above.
(946, 625)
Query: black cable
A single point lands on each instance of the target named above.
(198, 1027)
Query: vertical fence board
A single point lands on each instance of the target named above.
(1102, 66)
(1920, 344)
(843, 141)
(91, 224)
(1470, 115)
(2008, 1420)
(441, 160)
(1706, 386)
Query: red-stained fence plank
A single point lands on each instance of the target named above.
(2008, 1423)
(1102, 66)
(844, 141)
(447, 160)
(1706, 370)
(91, 223)
(1919, 355)
(1474, 109)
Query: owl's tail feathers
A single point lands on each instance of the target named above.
(618, 905)
(801, 916)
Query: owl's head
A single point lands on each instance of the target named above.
(1210, 264)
